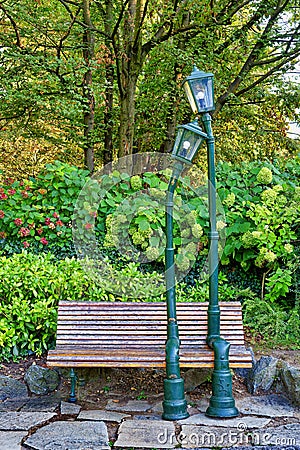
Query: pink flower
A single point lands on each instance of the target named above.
(93, 214)
(24, 194)
(44, 241)
(8, 181)
(18, 222)
(2, 214)
(11, 191)
(26, 244)
(27, 187)
(88, 226)
(47, 220)
(3, 196)
(55, 215)
(24, 231)
(59, 223)
(40, 231)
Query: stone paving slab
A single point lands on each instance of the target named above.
(12, 405)
(284, 435)
(18, 421)
(69, 409)
(70, 436)
(267, 405)
(109, 416)
(240, 423)
(194, 436)
(130, 406)
(146, 434)
(11, 388)
(45, 404)
(11, 440)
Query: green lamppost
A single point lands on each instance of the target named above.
(200, 92)
(187, 143)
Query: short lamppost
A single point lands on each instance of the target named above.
(199, 88)
(188, 141)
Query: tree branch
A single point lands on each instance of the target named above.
(14, 25)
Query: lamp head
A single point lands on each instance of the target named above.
(199, 88)
(188, 141)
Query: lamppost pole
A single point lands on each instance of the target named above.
(199, 88)
(174, 404)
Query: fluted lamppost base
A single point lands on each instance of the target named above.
(174, 404)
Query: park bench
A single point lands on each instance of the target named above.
(123, 334)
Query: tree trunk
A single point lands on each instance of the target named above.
(109, 88)
(127, 117)
(89, 112)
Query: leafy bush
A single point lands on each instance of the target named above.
(37, 213)
(31, 287)
(261, 203)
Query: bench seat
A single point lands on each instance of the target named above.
(133, 334)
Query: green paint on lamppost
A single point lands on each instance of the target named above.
(188, 141)
(199, 89)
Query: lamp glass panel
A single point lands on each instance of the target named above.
(190, 97)
(189, 145)
(203, 93)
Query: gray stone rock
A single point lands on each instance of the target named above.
(146, 434)
(46, 404)
(263, 374)
(11, 388)
(12, 405)
(290, 378)
(131, 406)
(284, 435)
(195, 377)
(109, 416)
(69, 409)
(41, 380)
(18, 421)
(156, 408)
(70, 436)
(11, 440)
(239, 423)
(272, 405)
(193, 436)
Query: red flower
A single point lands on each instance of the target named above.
(26, 244)
(56, 215)
(27, 187)
(8, 181)
(24, 231)
(44, 241)
(47, 221)
(40, 231)
(2, 214)
(59, 223)
(3, 196)
(88, 226)
(18, 222)
(11, 191)
(24, 194)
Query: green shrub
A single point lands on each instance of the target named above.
(37, 213)
(32, 285)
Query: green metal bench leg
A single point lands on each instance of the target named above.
(72, 398)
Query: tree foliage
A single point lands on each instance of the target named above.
(102, 77)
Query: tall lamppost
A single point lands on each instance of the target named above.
(199, 88)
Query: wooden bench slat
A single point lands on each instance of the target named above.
(98, 334)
